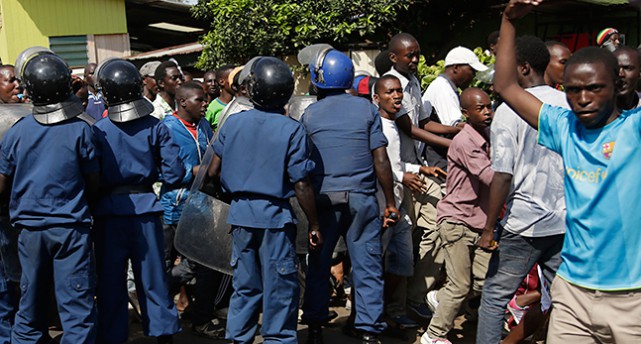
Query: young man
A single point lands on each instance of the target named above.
(211, 84)
(48, 165)
(461, 65)
(263, 223)
(596, 297)
(95, 104)
(609, 39)
(225, 97)
(462, 214)
(134, 151)
(148, 72)
(190, 130)
(629, 74)
(388, 94)
(559, 55)
(420, 194)
(168, 79)
(348, 148)
(530, 178)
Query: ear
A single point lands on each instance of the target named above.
(376, 98)
(465, 113)
(392, 57)
(182, 101)
(160, 83)
(524, 69)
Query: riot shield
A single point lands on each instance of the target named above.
(298, 104)
(11, 113)
(203, 234)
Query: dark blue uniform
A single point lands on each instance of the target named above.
(263, 155)
(133, 155)
(344, 131)
(48, 164)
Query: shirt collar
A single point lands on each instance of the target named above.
(478, 139)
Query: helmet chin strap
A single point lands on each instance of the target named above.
(320, 78)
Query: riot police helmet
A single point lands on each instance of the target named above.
(45, 75)
(121, 85)
(270, 84)
(331, 69)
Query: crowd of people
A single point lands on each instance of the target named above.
(513, 204)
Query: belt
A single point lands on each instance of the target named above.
(131, 189)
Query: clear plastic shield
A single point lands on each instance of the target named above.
(11, 113)
(298, 104)
(203, 234)
(310, 53)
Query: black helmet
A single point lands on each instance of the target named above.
(121, 86)
(46, 76)
(271, 83)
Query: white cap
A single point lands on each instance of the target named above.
(464, 56)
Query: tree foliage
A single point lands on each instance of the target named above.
(241, 29)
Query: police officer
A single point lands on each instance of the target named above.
(134, 149)
(48, 160)
(263, 223)
(348, 149)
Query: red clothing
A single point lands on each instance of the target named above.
(469, 174)
(192, 128)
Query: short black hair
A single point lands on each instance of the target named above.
(629, 50)
(552, 43)
(189, 86)
(382, 62)
(492, 38)
(532, 50)
(382, 79)
(161, 70)
(593, 55)
(224, 70)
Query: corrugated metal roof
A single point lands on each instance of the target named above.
(169, 51)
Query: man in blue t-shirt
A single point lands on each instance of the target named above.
(596, 298)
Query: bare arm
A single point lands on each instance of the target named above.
(438, 128)
(505, 82)
(307, 201)
(405, 124)
(499, 189)
(214, 168)
(384, 174)
(4, 187)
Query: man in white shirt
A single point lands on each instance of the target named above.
(530, 178)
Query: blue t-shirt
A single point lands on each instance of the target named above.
(344, 131)
(263, 155)
(602, 248)
(48, 164)
(137, 153)
(95, 105)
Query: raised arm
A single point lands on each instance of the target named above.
(505, 82)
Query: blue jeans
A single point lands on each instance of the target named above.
(508, 267)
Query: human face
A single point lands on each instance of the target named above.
(479, 111)
(150, 84)
(406, 58)
(464, 75)
(559, 55)
(591, 93)
(89, 74)
(195, 105)
(389, 96)
(9, 86)
(615, 39)
(629, 71)
(211, 84)
(172, 80)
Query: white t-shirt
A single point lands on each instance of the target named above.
(398, 166)
(444, 98)
(413, 107)
(536, 204)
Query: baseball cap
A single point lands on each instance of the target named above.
(149, 68)
(464, 56)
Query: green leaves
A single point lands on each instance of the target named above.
(241, 29)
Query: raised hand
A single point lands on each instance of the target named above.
(517, 9)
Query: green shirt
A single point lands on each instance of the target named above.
(213, 111)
